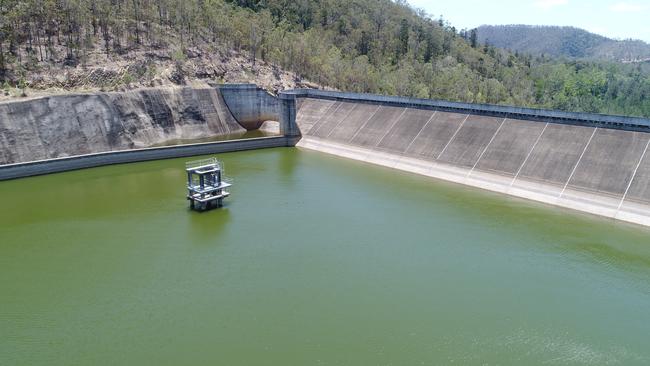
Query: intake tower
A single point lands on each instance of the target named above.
(206, 186)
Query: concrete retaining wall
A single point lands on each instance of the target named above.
(68, 125)
(569, 160)
(20, 170)
(67, 132)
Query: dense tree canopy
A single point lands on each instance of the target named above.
(377, 46)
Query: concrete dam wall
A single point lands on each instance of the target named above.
(593, 163)
(68, 125)
(61, 133)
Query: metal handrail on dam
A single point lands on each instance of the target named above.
(531, 114)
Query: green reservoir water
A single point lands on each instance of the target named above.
(315, 260)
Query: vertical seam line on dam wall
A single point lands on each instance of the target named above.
(636, 169)
(347, 114)
(317, 126)
(486, 147)
(453, 137)
(528, 156)
(390, 128)
(365, 123)
(314, 128)
(420, 132)
(578, 163)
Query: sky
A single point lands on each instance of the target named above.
(611, 18)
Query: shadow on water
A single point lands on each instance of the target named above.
(571, 234)
(288, 163)
(208, 227)
(605, 253)
(568, 233)
(554, 230)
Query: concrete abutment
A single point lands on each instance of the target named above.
(251, 106)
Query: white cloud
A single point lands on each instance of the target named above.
(625, 7)
(548, 4)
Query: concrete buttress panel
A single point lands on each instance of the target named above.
(511, 146)
(311, 111)
(332, 119)
(319, 122)
(640, 187)
(377, 127)
(556, 153)
(609, 162)
(348, 128)
(435, 135)
(405, 130)
(471, 140)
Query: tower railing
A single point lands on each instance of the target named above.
(203, 162)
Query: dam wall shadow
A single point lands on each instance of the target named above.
(588, 162)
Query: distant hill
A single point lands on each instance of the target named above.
(563, 41)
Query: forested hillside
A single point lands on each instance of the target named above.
(562, 41)
(376, 46)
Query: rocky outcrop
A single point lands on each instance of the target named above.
(60, 126)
